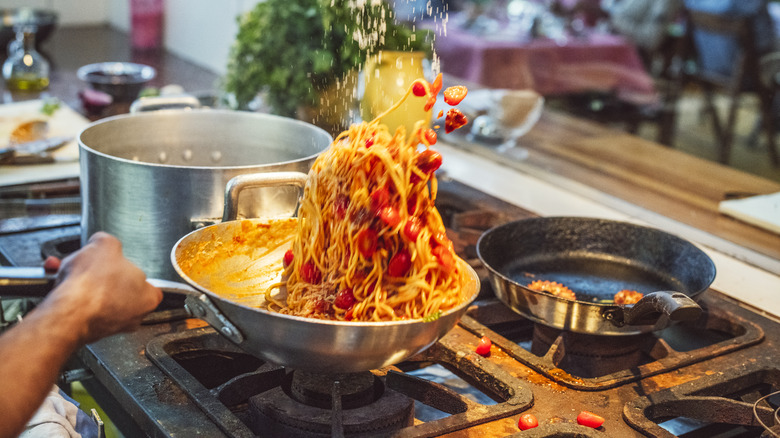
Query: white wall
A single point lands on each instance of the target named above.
(200, 31)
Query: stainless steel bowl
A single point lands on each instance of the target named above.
(121, 80)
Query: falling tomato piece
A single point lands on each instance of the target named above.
(288, 258)
(430, 136)
(454, 95)
(418, 88)
(455, 119)
(527, 421)
(483, 348)
(590, 419)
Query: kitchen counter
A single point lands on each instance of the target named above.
(563, 166)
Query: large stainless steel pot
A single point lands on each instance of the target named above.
(150, 178)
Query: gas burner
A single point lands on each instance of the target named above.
(592, 362)
(303, 406)
(723, 404)
(245, 396)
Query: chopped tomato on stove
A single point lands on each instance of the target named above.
(483, 348)
(527, 421)
(288, 258)
(455, 119)
(590, 419)
(310, 273)
(367, 241)
(344, 299)
(454, 95)
(399, 264)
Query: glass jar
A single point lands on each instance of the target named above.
(25, 69)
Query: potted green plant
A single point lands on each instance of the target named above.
(294, 51)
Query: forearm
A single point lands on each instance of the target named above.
(32, 354)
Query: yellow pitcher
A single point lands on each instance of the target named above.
(388, 76)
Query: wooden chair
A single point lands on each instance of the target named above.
(744, 77)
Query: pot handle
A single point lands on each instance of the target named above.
(676, 305)
(25, 282)
(270, 179)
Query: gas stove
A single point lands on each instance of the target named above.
(717, 376)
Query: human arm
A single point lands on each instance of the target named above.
(98, 293)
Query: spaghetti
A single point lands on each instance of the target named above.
(370, 244)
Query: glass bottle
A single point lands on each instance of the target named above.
(25, 69)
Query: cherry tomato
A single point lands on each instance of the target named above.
(399, 264)
(418, 89)
(412, 229)
(367, 241)
(288, 258)
(344, 299)
(51, 264)
(369, 142)
(590, 419)
(429, 161)
(390, 216)
(446, 260)
(527, 421)
(322, 306)
(310, 273)
(454, 95)
(455, 119)
(483, 348)
(430, 136)
(379, 198)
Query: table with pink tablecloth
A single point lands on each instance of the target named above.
(595, 62)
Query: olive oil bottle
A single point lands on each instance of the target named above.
(25, 69)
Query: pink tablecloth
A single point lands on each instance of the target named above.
(597, 62)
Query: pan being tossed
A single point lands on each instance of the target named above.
(595, 259)
(233, 263)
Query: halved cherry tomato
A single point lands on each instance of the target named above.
(412, 229)
(455, 119)
(310, 273)
(527, 421)
(390, 216)
(288, 258)
(428, 161)
(367, 242)
(418, 89)
(454, 95)
(590, 419)
(430, 136)
(344, 299)
(399, 264)
(445, 258)
(379, 198)
(483, 348)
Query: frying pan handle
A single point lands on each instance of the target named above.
(676, 305)
(270, 179)
(25, 282)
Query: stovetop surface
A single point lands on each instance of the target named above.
(731, 361)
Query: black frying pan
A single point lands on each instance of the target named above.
(595, 258)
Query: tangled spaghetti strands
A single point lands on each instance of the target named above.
(371, 246)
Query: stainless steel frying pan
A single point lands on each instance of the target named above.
(595, 258)
(291, 341)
